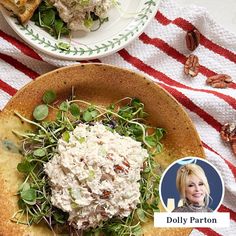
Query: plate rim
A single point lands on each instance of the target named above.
(138, 73)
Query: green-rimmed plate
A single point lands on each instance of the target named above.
(125, 24)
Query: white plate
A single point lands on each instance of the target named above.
(123, 27)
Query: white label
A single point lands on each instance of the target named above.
(194, 219)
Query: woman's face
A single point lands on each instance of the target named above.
(195, 190)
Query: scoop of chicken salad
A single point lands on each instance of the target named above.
(81, 14)
(95, 175)
(90, 169)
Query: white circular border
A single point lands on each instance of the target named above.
(198, 158)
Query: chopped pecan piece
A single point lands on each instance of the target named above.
(100, 142)
(219, 81)
(106, 176)
(191, 66)
(85, 223)
(105, 194)
(192, 39)
(118, 168)
(126, 163)
(104, 214)
(109, 156)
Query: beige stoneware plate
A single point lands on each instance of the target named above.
(100, 84)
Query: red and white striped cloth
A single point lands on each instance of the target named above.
(159, 52)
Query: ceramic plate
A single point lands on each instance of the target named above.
(123, 27)
(94, 83)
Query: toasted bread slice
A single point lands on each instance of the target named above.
(23, 9)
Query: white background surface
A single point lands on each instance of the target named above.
(223, 11)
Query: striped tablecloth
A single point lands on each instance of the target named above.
(159, 52)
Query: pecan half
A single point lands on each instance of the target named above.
(191, 66)
(219, 81)
(233, 146)
(192, 39)
(228, 134)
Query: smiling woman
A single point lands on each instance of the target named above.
(198, 187)
(193, 187)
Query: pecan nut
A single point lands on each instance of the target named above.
(228, 134)
(191, 66)
(192, 39)
(233, 146)
(219, 81)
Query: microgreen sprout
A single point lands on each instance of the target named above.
(40, 112)
(126, 117)
(47, 17)
(49, 97)
(63, 46)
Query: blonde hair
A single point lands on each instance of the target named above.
(181, 180)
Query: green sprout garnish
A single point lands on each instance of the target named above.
(47, 17)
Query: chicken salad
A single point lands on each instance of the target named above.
(89, 159)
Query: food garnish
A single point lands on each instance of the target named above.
(47, 17)
(125, 119)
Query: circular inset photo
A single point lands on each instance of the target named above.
(191, 184)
